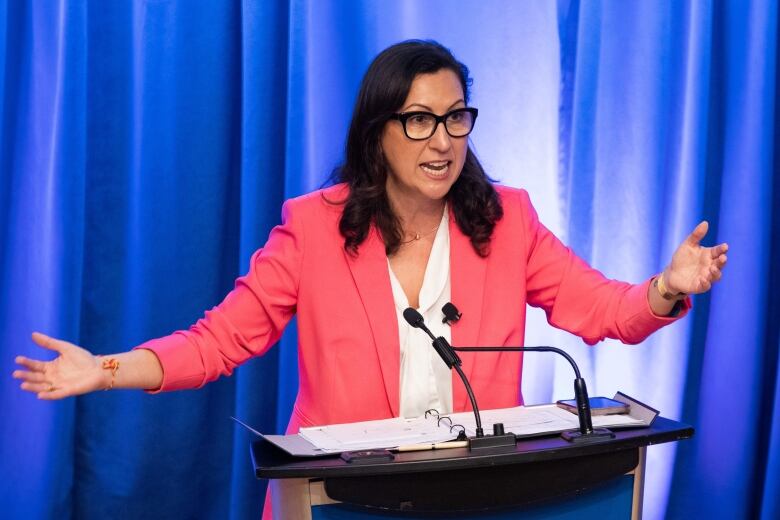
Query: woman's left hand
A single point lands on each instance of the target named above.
(694, 268)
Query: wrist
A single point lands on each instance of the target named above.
(666, 292)
(109, 366)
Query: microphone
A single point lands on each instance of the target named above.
(415, 319)
(586, 433)
(450, 358)
(451, 313)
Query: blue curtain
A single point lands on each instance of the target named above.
(146, 148)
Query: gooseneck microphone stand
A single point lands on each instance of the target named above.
(452, 360)
(586, 434)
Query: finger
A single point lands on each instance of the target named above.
(32, 364)
(720, 262)
(53, 395)
(30, 377)
(713, 272)
(47, 342)
(698, 233)
(718, 250)
(36, 387)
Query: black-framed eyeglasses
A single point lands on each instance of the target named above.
(422, 125)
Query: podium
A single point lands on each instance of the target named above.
(537, 478)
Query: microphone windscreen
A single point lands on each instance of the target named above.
(451, 313)
(413, 317)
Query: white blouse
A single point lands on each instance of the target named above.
(426, 382)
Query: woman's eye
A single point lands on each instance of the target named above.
(418, 120)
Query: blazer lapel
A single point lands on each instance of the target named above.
(372, 279)
(467, 279)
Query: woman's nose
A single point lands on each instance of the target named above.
(440, 140)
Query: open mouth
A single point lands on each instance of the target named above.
(436, 168)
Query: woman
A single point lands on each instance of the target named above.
(415, 221)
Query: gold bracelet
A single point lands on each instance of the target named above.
(111, 364)
(664, 291)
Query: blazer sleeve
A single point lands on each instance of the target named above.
(580, 299)
(249, 320)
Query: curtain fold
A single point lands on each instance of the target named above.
(42, 177)
(262, 387)
(769, 481)
(146, 149)
(720, 474)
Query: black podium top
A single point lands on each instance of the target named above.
(457, 480)
(271, 462)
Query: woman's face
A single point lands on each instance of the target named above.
(424, 171)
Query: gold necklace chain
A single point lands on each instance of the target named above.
(418, 235)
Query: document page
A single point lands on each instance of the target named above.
(523, 421)
(385, 433)
(535, 420)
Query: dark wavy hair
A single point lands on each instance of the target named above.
(384, 89)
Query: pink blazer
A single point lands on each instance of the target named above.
(348, 334)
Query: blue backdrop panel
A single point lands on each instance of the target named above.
(146, 148)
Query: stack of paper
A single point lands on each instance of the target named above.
(523, 421)
(386, 433)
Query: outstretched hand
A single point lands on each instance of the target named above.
(694, 268)
(74, 371)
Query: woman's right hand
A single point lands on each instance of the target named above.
(74, 371)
